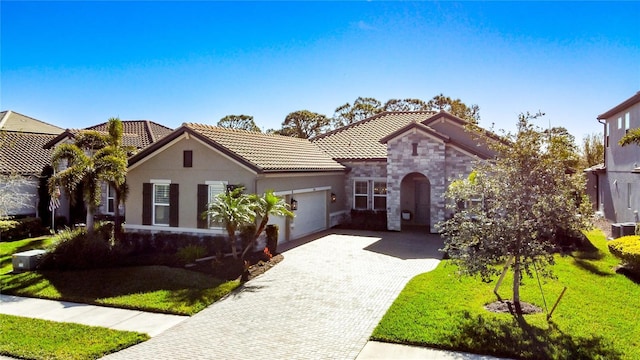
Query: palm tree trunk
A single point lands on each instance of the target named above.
(255, 237)
(89, 220)
(117, 224)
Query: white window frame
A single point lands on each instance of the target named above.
(156, 183)
(381, 194)
(212, 191)
(370, 192)
(111, 199)
(627, 119)
(619, 122)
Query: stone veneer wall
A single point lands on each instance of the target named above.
(359, 170)
(435, 160)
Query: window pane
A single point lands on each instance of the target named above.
(380, 203)
(110, 207)
(360, 202)
(161, 195)
(362, 187)
(161, 215)
(380, 188)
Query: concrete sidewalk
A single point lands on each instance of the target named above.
(374, 350)
(112, 318)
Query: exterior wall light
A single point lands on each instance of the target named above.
(333, 197)
(294, 204)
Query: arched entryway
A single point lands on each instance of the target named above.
(415, 201)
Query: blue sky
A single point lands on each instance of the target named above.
(75, 64)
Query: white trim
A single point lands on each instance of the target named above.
(216, 182)
(210, 231)
(160, 181)
(302, 191)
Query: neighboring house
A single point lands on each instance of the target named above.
(402, 162)
(137, 134)
(617, 181)
(172, 181)
(21, 152)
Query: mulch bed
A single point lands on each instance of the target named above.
(507, 306)
(231, 269)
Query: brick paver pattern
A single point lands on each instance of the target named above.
(321, 302)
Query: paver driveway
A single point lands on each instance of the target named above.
(321, 302)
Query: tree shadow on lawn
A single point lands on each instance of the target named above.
(91, 285)
(524, 341)
(590, 267)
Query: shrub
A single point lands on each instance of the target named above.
(13, 230)
(190, 253)
(73, 249)
(627, 249)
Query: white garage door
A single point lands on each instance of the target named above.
(311, 215)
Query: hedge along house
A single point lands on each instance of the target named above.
(400, 163)
(172, 181)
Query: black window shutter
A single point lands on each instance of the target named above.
(203, 197)
(147, 193)
(187, 158)
(174, 210)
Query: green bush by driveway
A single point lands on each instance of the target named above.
(596, 319)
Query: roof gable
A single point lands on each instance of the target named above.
(260, 152)
(361, 140)
(417, 126)
(136, 133)
(13, 121)
(620, 107)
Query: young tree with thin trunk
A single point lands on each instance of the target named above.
(515, 208)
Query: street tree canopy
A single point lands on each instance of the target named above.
(303, 124)
(241, 122)
(516, 207)
(592, 151)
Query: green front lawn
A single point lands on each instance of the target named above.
(596, 318)
(41, 339)
(149, 288)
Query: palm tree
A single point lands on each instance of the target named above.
(632, 137)
(268, 204)
(233, 209)
(89, 161)
(116, 153)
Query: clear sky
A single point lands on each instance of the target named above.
(76, 64)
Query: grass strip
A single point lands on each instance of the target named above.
(596, 319)
(42, 339)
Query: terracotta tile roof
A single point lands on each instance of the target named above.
(138, 133)
(23, 152)
(361, 140)
(13, 121)
(266, 152)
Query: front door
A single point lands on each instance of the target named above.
(423, 202)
